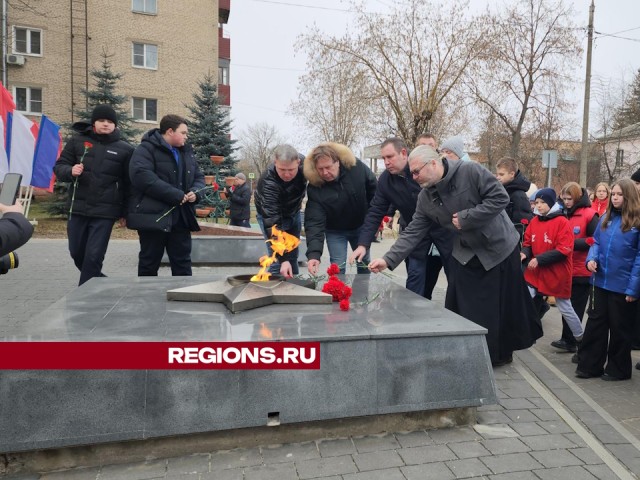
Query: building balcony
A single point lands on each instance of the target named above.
(224, 7)
(224, 46)
(224, 94)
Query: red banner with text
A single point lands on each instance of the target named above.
(159, 355)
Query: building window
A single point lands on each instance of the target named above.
(145, 6)
(145, 109)
(27, 41)
(223, 75)
(28, 100)
(145, 55)
(619, 158)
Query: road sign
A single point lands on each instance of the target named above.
(550, 158)
(252, 176)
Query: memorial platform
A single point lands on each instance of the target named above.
(392, 352)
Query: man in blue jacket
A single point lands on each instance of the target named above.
(165, 180)
(397, 187)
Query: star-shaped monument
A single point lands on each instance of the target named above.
(239, 293)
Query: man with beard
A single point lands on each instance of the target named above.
(485, 279)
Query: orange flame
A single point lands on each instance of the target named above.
(281, 242)
(266, 333)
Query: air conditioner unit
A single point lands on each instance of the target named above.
(15, 59)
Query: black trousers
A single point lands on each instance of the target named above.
(88, 242)
(434, 265)
(152, 247)
(607, 336)
(579, 299)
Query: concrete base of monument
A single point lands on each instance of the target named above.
(244, 246)
(393, 352)
(145, 450)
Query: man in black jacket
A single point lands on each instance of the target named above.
(340, 190)
(15, 229)
(96, 163)
(278, 199)
(239, 200)
(166, 182)
(397, 187)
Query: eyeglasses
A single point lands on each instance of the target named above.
(417, 170)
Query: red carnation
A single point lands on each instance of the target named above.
(215, 186)
(590, 241)
(88, 144)
(333, 269)
(344, 305)
(524, 221)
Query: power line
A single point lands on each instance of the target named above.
(304, 6)
(258, 106)
(601, 35)
(267, 68)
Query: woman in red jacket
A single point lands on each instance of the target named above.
(601, 200)
(583, 221)
(548, 249)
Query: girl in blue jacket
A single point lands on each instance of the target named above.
(614, 260)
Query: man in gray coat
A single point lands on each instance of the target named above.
(465, 198)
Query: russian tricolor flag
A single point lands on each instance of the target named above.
(29, 150)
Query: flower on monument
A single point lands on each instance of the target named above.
(335, 287)
(215, 186)
(333, 269)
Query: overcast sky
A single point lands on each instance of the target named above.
(265, 67)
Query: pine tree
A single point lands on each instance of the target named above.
(210, 129)
(106, 82)
(105, 92)
(629, 113)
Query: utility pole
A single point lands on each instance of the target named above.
(584, 153)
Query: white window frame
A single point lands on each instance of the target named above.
(29, 45)
(144, 110)
(144, 56)
(146, 9)
(28, 111)
(223, 75)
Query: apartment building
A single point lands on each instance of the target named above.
(162, 48)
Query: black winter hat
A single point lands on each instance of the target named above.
(636, 176)
(104, 112)
(547, 195)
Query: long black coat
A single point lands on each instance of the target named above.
(239, 201)
(103, 187)
(156, 186)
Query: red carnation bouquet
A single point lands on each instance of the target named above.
(340, 291)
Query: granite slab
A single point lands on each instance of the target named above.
(393, 351)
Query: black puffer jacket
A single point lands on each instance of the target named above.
(338, 205)
(276, 199)
(103, 187)
(156, 186)
(519, 207)
(239, 201)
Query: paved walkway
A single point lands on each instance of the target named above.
(547, 425)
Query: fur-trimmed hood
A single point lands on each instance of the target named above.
(345, 155)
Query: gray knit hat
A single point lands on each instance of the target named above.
(241, 176)
(455, 144)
